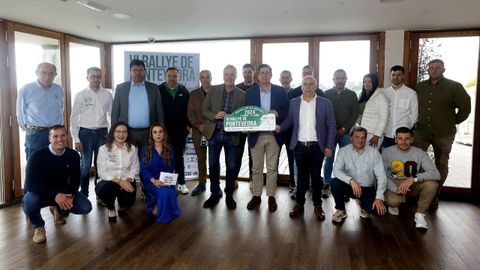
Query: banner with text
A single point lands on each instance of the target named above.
(156, 64)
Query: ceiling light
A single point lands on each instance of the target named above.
(92, 5)
(122, 16)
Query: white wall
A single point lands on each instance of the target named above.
(393, 51)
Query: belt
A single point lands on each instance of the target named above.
(308, 143)
(220, 129)
(93, 129)
(38, 128)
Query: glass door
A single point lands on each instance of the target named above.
(460, 55)
(30, 50)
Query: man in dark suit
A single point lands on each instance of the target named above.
(138, 103)
(175, 103)
(313, 138)
(306, 71)
(273, 99)
(221, 100)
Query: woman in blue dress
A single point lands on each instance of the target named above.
(157, 156)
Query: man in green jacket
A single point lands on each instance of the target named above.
(442, 104)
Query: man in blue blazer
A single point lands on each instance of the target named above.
(137, 103)
(272, 99)
(313, 138)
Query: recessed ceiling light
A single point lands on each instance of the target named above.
(92, 5)
(122, 16)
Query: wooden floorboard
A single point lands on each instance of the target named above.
(242, 239)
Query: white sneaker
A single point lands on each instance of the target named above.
(420, 221)
(183, 189)
(393, 211)
(339, 216)
(363, 212)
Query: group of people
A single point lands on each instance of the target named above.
(149, 125)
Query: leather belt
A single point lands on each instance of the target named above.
(38, 128)
(308, 143)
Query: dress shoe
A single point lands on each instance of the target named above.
(58, 217)
(211, 202)
(297, 211)
(200, 188)
(318, 211)
(272, 204)
(254, 202)
(39, 236)
(231, 204)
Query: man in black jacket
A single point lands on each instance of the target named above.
(175, 103)
(52, 179)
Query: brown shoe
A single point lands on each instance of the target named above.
(58, 217)
(272, 204)
(39, 236)
(297, 211)
(318, 211)
(254, 202)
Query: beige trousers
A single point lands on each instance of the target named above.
(425, 191)
(266, 147)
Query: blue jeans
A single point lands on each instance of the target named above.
(341, 189)
(328, 164)
(309, 162)
(387, 142)
(91, 140)
(34, 202)
(222, 139)
(34, 140)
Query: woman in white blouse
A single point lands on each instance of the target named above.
(118, 167)
(374, 110)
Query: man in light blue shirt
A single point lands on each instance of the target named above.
(39, 107)
(359, 174)
(138, 103)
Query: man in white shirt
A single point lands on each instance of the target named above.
(359, 174)
(313, 138)
(89, 123)
(403, 105)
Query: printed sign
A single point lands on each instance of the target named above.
(156, 64)
(249, 118)
(168, 178)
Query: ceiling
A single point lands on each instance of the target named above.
(201, 19)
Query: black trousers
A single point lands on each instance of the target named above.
(108, 191)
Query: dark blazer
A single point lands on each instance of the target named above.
(279, 103)
(298, 92)
(213, 104)
(120, 103)
(325, 122)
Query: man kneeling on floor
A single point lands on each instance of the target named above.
(410, 172)
(52, 179)
(358, 168)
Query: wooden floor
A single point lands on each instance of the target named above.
(242, 239)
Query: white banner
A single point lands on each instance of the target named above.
(156, 64)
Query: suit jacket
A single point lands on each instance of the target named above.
(279, 102)
(213, 104)
(326, 128)
(120, 103)
(298, 92)
(194, 110)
